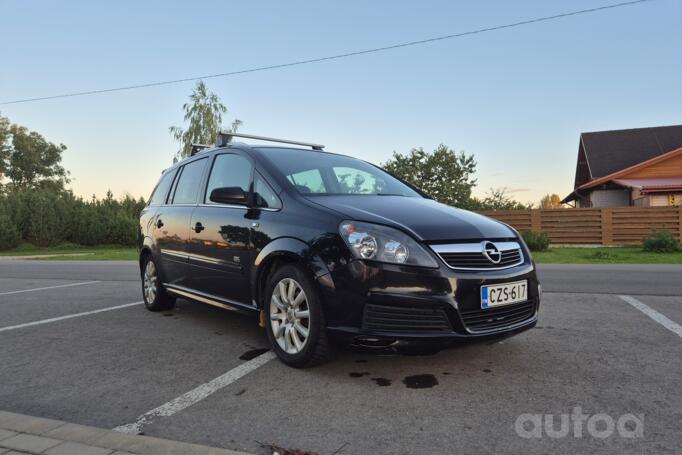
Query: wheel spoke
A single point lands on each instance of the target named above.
(287, 340)
(291, 291)
(303, 314)
(280, 331)
(297, 341)
(283, 291)
(278, 303)
(301, 329)
(299, 298)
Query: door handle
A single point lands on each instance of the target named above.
(198, 227)
(159, 223)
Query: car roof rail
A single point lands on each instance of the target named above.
(224, 138)
(196, 148)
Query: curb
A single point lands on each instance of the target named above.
(35, 435)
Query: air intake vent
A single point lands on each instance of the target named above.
(388, 318)
(481, 320)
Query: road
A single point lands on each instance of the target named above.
(77, 346)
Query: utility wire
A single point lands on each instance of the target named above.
(333, 57)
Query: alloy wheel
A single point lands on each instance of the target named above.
(290, 316)
(150, 280)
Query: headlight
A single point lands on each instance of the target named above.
(384, 244)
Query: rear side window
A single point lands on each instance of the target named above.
(187, 187)
(161, 191)
(229, 171)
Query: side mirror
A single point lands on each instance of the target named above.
(229, 195)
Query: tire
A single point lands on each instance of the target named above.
(155, 296)
(290, 319)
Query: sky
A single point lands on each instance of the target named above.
(517, 99)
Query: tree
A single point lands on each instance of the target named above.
(4, 146)
(204, 113)
(444, 174)
(28, 160)
(550, 201)
(498, 199)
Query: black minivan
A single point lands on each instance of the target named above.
(326, 247)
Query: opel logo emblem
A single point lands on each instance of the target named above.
(491, 252)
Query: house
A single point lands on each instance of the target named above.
(635, 167)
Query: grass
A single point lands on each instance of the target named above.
(64, 252)
(605, 255)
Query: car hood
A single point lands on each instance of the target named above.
(426, 219)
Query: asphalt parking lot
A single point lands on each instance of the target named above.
(77, 345)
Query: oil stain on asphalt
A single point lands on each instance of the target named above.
(358, 374)
(420, 381)
(381, 382)
(252, 354)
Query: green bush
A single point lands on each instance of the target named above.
(45, 217)
(45, 220)
(661, 241)
(536, 240)
(122, 230)
(9, 234)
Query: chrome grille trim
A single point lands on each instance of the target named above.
(472, 254)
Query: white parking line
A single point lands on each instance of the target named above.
(653, 314)
(49, 287)
(195, 395)
(68, 316)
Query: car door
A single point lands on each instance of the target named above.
(220, 246)
(172, 224)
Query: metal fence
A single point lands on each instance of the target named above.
(608, 226)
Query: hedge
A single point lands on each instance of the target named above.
(47, 218)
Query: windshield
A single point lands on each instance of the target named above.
(319, 173)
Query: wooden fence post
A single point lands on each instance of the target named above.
(535, 221)
(679, 222)
(606, 226)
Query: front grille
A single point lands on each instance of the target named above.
(480, 320)
(478, 261)
(471, 256)
(387, 318)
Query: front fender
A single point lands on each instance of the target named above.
(288, 248)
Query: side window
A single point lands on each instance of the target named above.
(228, 170)
(161, 191)
(309, 181)
(265, 196)
(187, 188)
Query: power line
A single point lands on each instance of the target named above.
(333, 57)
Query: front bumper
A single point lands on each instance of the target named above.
(366, 300)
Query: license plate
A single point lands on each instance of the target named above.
(504, 294)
